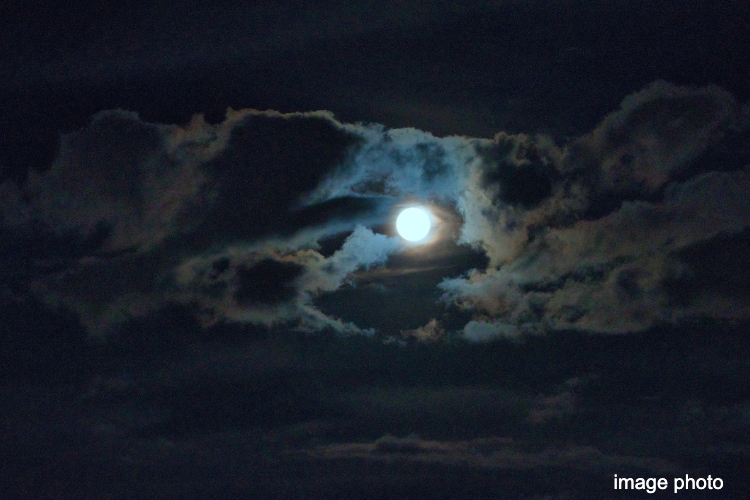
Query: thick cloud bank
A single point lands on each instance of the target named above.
(609, 232)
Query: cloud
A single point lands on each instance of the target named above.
(597, 234)
(591, 246)
(555, 406)
(116, 173)
(483, 331)
(430, 332)
(362, 249)
(486, 453)
(610, 274)
(128, 206)
(434, 409)
(268, 286)
(654, 134)
(400, 162)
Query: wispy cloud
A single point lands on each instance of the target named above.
(486, 453)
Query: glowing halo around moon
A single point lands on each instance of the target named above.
(413, 224)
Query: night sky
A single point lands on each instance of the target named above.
(203, 293)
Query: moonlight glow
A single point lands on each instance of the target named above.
(413, 224)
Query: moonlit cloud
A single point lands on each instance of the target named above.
(609, 274)
(590, 235)
(430, 332)
(205, 291)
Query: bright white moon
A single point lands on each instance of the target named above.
(413, 224)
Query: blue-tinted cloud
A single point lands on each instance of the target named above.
(230, 217)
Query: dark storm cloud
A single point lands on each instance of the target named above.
(591, 235)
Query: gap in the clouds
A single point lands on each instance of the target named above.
(731, 153)
(404, 294)
(719, 266)
(330, 244)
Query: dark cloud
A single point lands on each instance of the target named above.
(652, 139)
(148, 340)
(520, 173)
(711, 271)
(32, 249)
(268, 164)
(341, 210)
(557, 406)
(491, 453)
(267, 282)
(563, 411)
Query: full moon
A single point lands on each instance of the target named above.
(413, 224)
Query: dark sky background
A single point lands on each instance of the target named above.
(202, 293)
